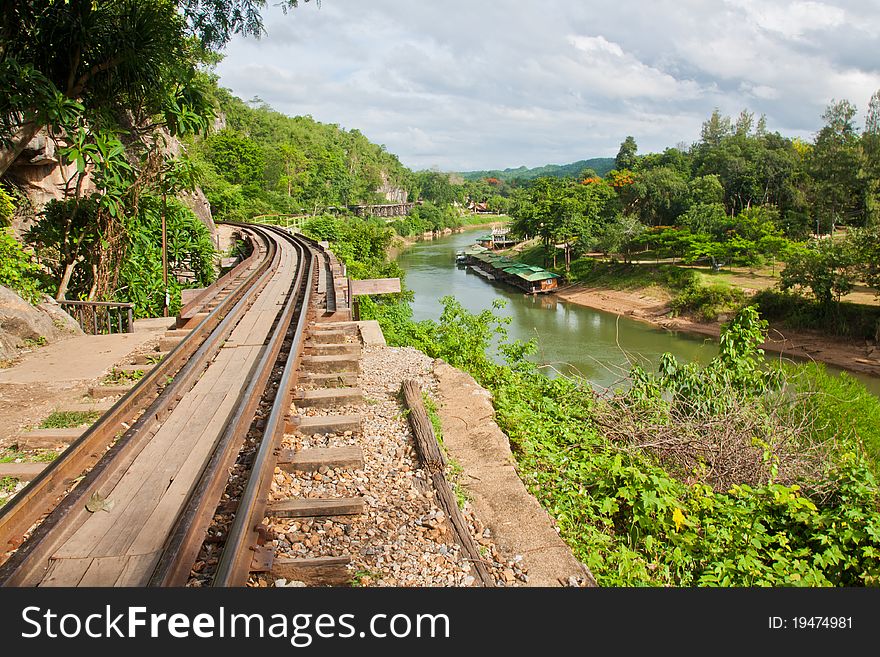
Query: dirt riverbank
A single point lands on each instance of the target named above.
(652, 306)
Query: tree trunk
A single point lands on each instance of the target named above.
(65, 280)
(20, 139)
(93, 290)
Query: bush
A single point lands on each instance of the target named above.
(634, 523)
(7, 208)
(707, 301)
(17, 271)
(189, 247)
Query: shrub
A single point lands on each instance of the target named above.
(7, 208)
(17, 271)
(707, 301)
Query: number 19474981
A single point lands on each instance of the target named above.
(810, 622)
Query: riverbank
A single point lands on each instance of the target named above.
(652, 306)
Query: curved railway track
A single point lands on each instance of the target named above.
(129, 503)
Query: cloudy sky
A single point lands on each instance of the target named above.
(482, 84)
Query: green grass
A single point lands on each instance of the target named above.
(117, 377)
(844, 410)
(623, 276)
(41, 456)
(7, 487)
(69, 419)
(480, 219)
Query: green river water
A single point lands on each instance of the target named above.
(571, 338)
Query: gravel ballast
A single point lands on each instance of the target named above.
(403, 538)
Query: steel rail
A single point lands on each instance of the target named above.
(233, 567)
(181, 550)
(211, 292)
(187, 360)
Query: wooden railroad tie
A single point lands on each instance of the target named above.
(21, 471)
(332, 380)
(328, 397)
(331, 364)
(315, 507)
(309, 425)
(49, 438)
(309, 460)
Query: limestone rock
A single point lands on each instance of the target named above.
(22, 324)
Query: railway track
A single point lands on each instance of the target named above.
(195, 443)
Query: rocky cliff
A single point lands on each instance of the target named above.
(42, 177)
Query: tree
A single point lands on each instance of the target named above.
(715, 129)
(869, 175)
(834, 164)
(872, 116)
(744, 123)
(215, 21)
(662, 195)
(826, 267)
(626, 156)
(620, 236)
(236, 157)
(103, 59)
(706, 190)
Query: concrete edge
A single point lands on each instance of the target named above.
(518, 522)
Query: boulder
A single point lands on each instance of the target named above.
(23, 325)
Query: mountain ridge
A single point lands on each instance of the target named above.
(601, 165)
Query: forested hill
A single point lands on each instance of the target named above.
(601, 165)
(259, 161)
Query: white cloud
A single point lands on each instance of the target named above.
(463, 84)
(792, 20)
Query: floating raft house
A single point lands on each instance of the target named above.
(500, 238)
(533, 280)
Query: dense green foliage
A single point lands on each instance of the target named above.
(7, 208)
(843, 409)
(739, 196)
(430, 217)
(18, 271)
(856, 321)
(629, 518)
(190, 254)
(67, 234)
(264, 162)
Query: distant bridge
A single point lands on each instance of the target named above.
(382, 210)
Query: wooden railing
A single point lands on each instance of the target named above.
(101, 317)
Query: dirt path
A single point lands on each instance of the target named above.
(48, 378)
(653, 308)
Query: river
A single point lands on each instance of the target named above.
(571, 338)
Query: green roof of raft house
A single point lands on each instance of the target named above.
(530, 278)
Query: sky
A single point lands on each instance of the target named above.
(489, 84)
